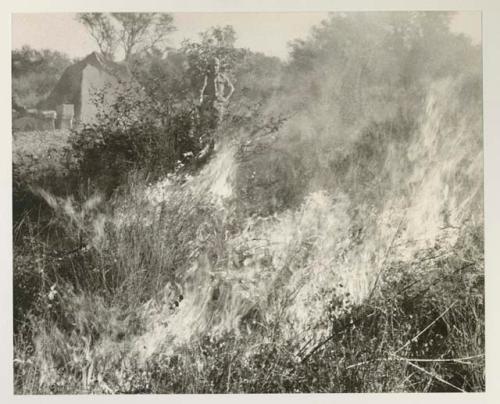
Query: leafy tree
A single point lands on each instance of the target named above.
(163, 77)
(132, 32)
(215, 42)
(35, 73)
(403, 50)
(258, 75)
(174, 80)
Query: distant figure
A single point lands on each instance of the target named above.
(214, 97)
(215, 93)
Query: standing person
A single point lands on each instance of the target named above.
(215, 92)
(214, 97)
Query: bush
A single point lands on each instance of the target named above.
(133, 134)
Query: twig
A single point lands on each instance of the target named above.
(355, 365)
(425, 329)
(434, 257)
(401, 358)
(321, 344)
(409, 286)
(406, 379)
(437, 377)
(457, 360)
(301, 351)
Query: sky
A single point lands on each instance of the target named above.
(268, 33)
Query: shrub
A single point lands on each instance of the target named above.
(132, 134)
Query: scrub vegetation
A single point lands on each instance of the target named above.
(331, 242)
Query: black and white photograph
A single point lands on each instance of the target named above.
(247, 202)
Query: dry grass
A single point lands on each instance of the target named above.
(320, 256)
(172, 296)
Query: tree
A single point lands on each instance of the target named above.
(28, 60)
(403, 50)
(144, 31)
(215, 42)
(102, 30)
(176, 78)
(132, 32)
(35, 73)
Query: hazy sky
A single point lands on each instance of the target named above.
(264, 32)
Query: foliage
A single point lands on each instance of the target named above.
(35, 73)
(132, 32)
(175, 80)
(404, 51)
(155, 128)
(163, 77)
(102, 30)
(144, 31)
(215, 42)
(134, 133)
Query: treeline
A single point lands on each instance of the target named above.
(35, 73)
(357, 87)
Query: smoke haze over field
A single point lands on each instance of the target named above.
(273, 31)
(330, 241)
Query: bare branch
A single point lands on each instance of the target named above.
(101, 29)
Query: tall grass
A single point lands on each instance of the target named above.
(330, 253)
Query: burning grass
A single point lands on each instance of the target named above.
(334, 253)
(170, 291)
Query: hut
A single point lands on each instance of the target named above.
(79, 85)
